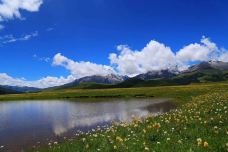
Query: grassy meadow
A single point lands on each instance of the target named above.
(179, 94)
(199, 124)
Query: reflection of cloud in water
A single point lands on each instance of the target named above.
(60, 128)
(87, 115)
(39, 120)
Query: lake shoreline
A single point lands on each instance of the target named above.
(183, 97)
(57, 120)
(179, 130)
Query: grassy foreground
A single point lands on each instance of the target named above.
(200, 124)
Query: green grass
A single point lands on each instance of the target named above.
(201, 115)
(200, 124)
(180, 94)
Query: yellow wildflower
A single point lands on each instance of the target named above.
(205, 144)
(157, 125)
(199, 141)
(115, 147)
(146, 149)
(119, 139)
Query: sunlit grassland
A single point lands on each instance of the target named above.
(200, 125)
(179, 94)
(200, 122)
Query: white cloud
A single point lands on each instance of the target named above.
(42, 83)
(223, 56)
(11, 38)
(198, 52)
(157, 56)
(154, 56)
(11, 9)
(77, 69)
(81, 69)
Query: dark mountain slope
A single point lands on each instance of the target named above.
(22, 89)
(212, 71)
(94, 82)
(7, 91)
(156, 74)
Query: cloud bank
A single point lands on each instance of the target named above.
(11, 9)
(152, 57)
(157, 56)
(126, 61)
(42, 83)
(81, 68)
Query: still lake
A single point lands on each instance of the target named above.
(27, 124)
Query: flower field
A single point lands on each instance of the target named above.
(197, 126)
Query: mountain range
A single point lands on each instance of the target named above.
(211, 71)
(156, 74)
(22, 89)
(4, 90)
(108, 79)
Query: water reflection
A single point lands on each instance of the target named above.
(24, 123)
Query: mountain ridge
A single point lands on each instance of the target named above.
(22, 89)
(108, 79)
(211, 71)
(7, 91)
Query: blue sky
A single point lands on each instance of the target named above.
(91, 30)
